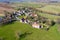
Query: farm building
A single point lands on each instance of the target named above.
(36, 25)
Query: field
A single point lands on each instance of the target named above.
(10, 31)
(52, 17)
(5, 7)
(52, 9)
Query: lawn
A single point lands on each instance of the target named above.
(8, 32)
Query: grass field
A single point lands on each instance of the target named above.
(9, 32)
(35, 5)
(51, 8)
(52, 17)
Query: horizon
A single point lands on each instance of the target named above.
(27, 0)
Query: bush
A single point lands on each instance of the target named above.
(23, 35)
(58, 21)
(52, 23)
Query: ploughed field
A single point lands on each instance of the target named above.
(5, 7)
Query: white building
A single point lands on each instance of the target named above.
(35, 25)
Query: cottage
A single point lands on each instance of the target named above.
(35, 25)
(33, 15)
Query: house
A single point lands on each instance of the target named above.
(35, 25)
(33, 15)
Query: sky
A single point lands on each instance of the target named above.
(23, 0)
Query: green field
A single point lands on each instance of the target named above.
(9, 32)
(52, 17)
(51, 8)
(34, 5)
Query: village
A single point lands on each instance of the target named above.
(29, 16)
